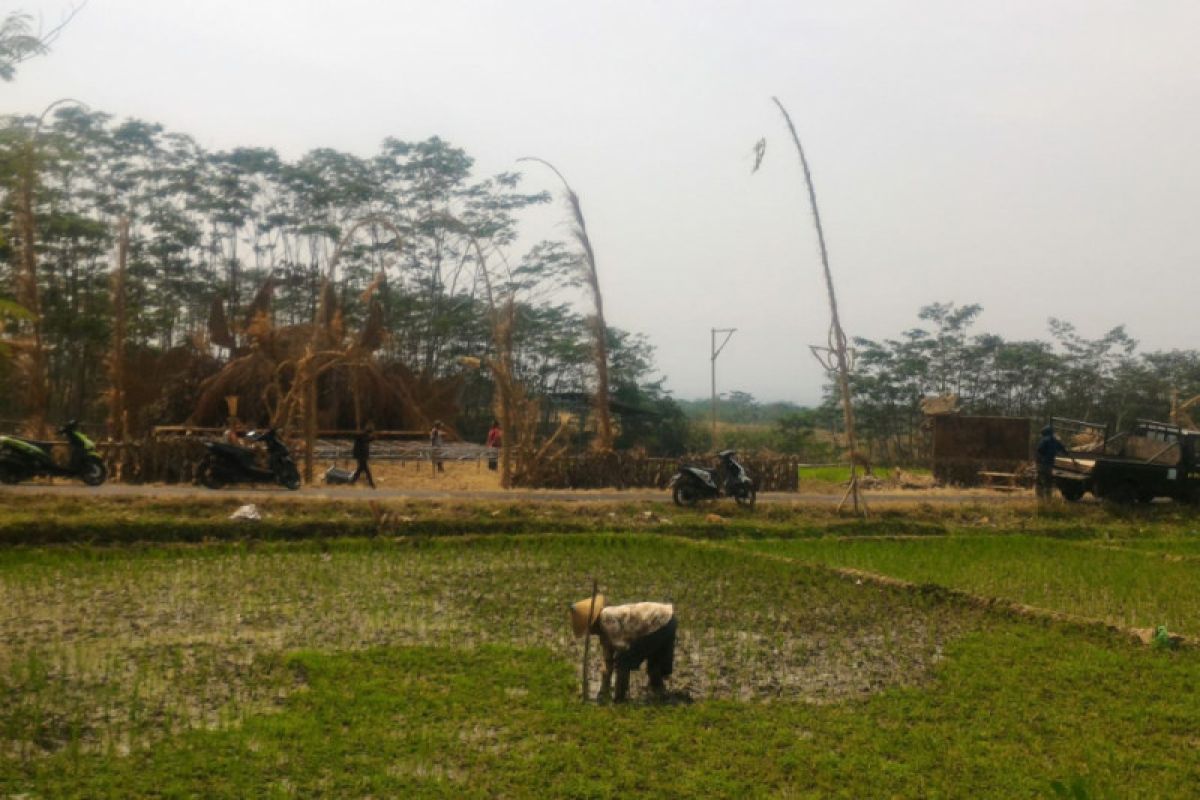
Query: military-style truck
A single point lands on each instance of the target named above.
(1153, 460)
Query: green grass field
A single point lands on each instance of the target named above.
(1130, 586)
(442, 666)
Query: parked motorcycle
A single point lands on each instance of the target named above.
(692, 484)
(229, 463)
(22, 459)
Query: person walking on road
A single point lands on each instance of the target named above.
(362, 454)
(493, 443)
(435, 446)
(1048, 449)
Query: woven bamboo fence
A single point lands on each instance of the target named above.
(624, 470)
(176, 460)
(172, 460)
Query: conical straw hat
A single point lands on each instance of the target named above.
(579, 614)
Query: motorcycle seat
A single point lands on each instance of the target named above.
(34, 442)
(231, 449)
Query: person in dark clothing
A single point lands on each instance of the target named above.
(435, 445)
(362, 453)
(1048, 449)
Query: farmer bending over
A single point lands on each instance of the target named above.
(629, 634)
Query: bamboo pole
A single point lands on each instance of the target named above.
(838, 359)
(38, 389)
(587, 641)
(118, 421)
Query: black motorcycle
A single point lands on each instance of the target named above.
(22, 459)
(229, 463)
(692, 484)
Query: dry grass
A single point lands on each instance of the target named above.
(460, 476)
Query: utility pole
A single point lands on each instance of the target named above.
(716, 351)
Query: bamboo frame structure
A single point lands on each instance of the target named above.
(320, 356)
(1181, 411)
(516, 412)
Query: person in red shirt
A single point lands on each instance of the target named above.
(493, 444)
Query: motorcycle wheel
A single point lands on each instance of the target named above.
(287, 475)
(208, 476)
(746, 497)
(94, 472)
(685, 495)
(9, 474)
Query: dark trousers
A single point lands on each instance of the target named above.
(1045, 481)
(656, 649)
(363, 469)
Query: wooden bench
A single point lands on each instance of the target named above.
(1002, 481)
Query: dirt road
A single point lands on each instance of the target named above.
(113, 490)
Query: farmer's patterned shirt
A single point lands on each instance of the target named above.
(623, 624)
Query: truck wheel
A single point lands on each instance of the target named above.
(1072, 491)
(1123, 494)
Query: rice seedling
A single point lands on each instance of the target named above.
(1089, 578)
(192, 638)
(443, 666)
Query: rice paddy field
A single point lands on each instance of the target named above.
(422, 650)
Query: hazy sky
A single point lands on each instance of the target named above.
(1039, 158)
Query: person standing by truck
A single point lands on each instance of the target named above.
(1048, 449)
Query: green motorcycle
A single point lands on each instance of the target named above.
(22, 459)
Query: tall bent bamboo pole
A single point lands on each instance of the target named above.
(604, 431)
(840, 359)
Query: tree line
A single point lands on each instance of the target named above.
(209, 229)
(1105, 380)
